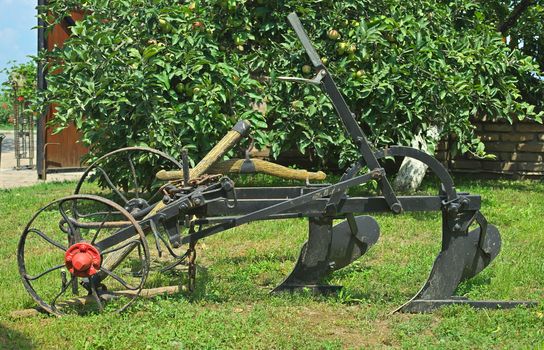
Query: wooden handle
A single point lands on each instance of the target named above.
(260, 166)
(169, 175)
(241, 129)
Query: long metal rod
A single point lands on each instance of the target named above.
(285, 205)
(359, 137)
(173, 209)
(345, 114)
(349, 205)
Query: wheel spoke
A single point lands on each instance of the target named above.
(111, 185)
(94, 293)
(49, 240)
(100, 228)
(62, 291)
(90, 215)
(33, 278)
(73, 232)
(121, 247)
(133, 171)
(118, 279)
(157, 192)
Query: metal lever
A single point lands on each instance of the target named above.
(314, 81)
(304, 39)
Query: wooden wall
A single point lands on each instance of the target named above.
(518, 149)
(62, 150)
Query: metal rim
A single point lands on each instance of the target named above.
(96, 163)
(52, 309)
(434, 165)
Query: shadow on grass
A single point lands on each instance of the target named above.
(473, 284)
(203, 280)
(10, 339)
(242, 260)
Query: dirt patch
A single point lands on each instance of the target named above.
(342, 324)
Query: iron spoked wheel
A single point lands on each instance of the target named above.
(127, 177)
(61, 263)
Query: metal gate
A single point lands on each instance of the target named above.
(23, 134)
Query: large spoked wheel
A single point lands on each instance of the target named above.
(127, 177)
(64, 269)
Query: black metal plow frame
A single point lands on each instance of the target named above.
(209, 205)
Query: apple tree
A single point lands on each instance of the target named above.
(172, 74)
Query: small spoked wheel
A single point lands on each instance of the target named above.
(127, 177)
(83, 254)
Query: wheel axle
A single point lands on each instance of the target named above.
(82, 260)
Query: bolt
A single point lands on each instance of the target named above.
(396, 208)
(377, 174)
(227, 185)
(453, 209)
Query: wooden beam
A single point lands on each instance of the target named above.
(87, 300)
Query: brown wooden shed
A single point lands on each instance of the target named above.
(62, 151)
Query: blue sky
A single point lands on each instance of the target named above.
(17, 38)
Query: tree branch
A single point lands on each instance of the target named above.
(511, 20)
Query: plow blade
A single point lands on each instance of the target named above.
(330, 248)
(461, 258)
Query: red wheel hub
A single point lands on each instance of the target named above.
(82, 260)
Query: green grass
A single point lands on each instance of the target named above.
(231, 307)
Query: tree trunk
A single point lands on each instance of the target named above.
(412, 171)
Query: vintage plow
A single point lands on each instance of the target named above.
(85, 247)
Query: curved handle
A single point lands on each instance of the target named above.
(236, 166)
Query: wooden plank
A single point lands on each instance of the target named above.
(145, 293)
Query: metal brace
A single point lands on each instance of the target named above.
(314, 81)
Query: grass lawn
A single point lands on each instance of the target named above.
(231, 307)
(6, 127)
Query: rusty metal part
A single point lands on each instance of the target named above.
(204, 179)
(175, 185)
(191, 267)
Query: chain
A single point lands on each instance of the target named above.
(192, 267)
